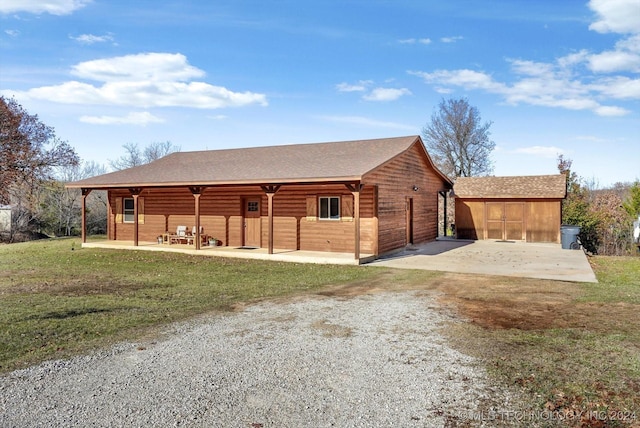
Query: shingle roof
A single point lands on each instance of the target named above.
(534, 186)
(335, 161)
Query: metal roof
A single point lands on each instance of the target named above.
(532, 186)
(297, 163)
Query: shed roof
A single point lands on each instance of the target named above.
(532, 186)
(297, 163)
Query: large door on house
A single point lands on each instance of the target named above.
(252, 220)
(505, 220)
(409, 221)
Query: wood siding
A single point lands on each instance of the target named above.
(532, 220)
(222, 210)
(395, 182)
(387, 197)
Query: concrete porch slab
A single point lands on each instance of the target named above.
(297, 256)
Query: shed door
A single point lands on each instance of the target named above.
(514, 221)
(252, 222)
(505, 220)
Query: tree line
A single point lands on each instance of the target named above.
(35, 165)
(460, 146)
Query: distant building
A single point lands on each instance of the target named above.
(5, 218)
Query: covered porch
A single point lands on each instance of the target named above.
(282, 255)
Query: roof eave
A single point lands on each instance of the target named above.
(226, 183)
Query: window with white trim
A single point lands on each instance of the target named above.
(329, 208)
(128, 210)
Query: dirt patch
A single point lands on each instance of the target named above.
(488, 301)
(332, 330)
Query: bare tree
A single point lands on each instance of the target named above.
(61, 207)
(29, 152)
(457, 141)
(135, 157)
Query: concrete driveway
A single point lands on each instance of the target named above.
(489, 257)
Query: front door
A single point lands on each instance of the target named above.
(505, 220)
(252, 222)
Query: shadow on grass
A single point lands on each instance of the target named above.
(60, 315)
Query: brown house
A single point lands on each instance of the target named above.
(366, 197)
(527, 208)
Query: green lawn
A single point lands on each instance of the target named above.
(567, 347)
(58, 299)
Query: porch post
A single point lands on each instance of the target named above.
(356, 221)
(197, 191)
(135, 219)
(444, 222)
(197, 202)
(355, 191)
(85, 193)
(135, 192)
(270, 191)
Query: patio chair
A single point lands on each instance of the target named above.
(203, 238)
(181, 235)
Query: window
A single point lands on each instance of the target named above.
(127, 210)
(329, 208)
(252, 206)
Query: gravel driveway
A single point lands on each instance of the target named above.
(372, 360)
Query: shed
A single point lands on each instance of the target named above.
(5, 218)
(363, 196)
(519, 208)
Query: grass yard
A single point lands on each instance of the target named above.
(569, 348)
(57, 299)
(572, 348)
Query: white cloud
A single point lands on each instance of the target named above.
(566, 82)
(611, 111)
(140, 67)
(624, 57)
(541, 84)
(386, 94)
(611, 61)
(469, 79)
(134, 118)
(620, 87)
(142, 81)
(358, 87)
(89, 39)
(12, 33)
(541, 151)
(616, 16)
(411, 41)
(53, 7)
(451, 39)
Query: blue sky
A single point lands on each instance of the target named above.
(554, 77)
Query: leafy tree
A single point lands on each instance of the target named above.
(614, 226)
(457, 141)
(135, 157)
(29, 152)
(576, 207)
(632, 204)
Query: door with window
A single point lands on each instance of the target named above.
(252, 220)
(505, 220)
